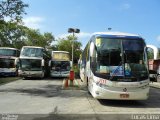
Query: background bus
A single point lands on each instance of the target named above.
(154, 62)
(8, 61)
(33, 62)
(60, 64)
(114, 66)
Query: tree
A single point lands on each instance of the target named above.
(12, 9)
(11, 30)
(35, 38)
(65, 44)
(150, 53)
(11, 34)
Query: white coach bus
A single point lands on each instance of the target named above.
(114, 66)
(33, 62)
(60, 64)
(8, 61)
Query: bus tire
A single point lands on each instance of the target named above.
(88, 87)
(156, 79)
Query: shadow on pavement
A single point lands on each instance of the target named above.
(45, 79)
(47, 91)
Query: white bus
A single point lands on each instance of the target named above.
(114, 66)
(60, 64)
(33, 62)
(8, 61)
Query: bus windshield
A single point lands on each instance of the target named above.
(7, 63)
(60, 65)
(30, 64)
(32, 52)
(119, 59)
(8, 52)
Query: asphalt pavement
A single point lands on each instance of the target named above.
(48, 99)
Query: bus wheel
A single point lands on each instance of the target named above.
(88, 87)
(16, 75)
(156, 79)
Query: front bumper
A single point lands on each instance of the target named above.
(102, 93)
(30, 73)
(59, 74)
(8, 74)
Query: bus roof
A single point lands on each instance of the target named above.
(32, 47)
(116, 34)
(9, 48)
(60, 51)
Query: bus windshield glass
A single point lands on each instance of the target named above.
(32, 52)
(119, 59)
(8, 52)
(60, 65)
(30, 64)
(7, 63)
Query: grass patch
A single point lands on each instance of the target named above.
(5, 80)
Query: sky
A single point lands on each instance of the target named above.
(132, 16)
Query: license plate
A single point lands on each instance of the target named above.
(124, 95)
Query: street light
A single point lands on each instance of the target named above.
(73, 30)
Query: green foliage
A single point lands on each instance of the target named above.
(150, 54)
(12, 9)
(11, 31)
(65, 44)
(35, 38)
(11, 34)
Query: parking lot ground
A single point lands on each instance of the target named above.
(41, 97)
(47, 98)
(4, 80)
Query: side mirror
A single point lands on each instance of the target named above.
(71, 64)
(91, 49)
(49, 64)
(42, 63)
(17, 63)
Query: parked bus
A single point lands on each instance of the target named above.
(60, 64)
(114, 66)
(154, 62)
(8, 61)
(33, 62)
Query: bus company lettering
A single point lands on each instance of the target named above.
(102, 81)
